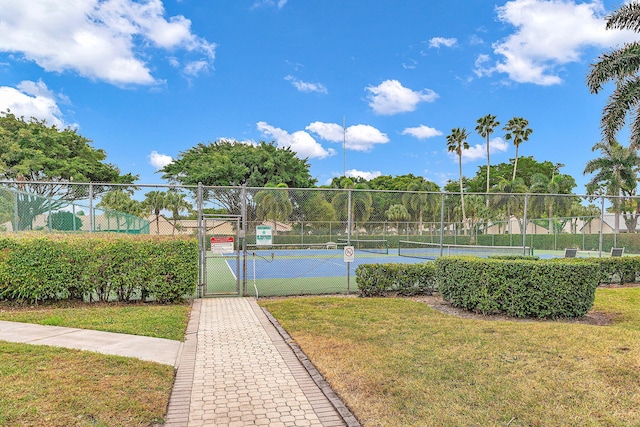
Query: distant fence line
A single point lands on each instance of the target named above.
(321, 215)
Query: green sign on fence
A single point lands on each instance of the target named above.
(263, 235)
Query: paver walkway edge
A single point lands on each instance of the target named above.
(238, 367)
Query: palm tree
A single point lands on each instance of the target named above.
(509, 196)
(176, 203)
(622, 67)
(273, 203)
(361, 204)
(397, 213)
(517, 130)
(615, 174)
(154, 202)
(486, 126)
(456, 143)
(421, 197)
(550, 190)
(118, 204)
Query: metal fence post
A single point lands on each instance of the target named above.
(91, 213)
(349, 217)
(601, 224)
(441, 221)
(524, 228)
(244, 238)
(16, 217)
(201, 246)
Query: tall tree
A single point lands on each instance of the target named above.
(119, 205)
(273, 203)
(457, 143)
(154, 202)
(486, 126)
(397, 213)
(361, 203)
(518, 130)
(621, 66)
(615, 175)
(176, 203)
(552, 197)
(421, 198)
(31, 151)
(231, 163)
(509, 195)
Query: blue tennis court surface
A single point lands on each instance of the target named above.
(291, 266)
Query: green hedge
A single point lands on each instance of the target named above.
(402, 279)
(618, 269)
(519, 288)
(113, 267)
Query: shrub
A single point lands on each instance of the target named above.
(512, 257)
(402, 279)
(618, 269)
(519, 288)
(57, 267)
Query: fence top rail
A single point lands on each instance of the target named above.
(207, 187)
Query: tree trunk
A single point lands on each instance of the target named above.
(464, 216)
(488, 166)
(515, 164)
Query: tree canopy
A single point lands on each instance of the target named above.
(527, 168)
(231, 163)
(31, 150)
(621, 66)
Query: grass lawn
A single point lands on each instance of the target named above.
(397, 362)
(152, 320)
(48, 386)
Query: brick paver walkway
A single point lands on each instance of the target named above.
(236, 370)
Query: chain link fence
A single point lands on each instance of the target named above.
(309, 228)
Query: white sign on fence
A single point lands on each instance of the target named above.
(349, 254)
(264, 235)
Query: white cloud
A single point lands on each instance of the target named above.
(438, 42)
(354, 173)
(158, 160)
(306, 86)
(358, 137)
(475, 40)
(300, 142)
(32, 99)
(194, 68)
(479, 151)
(98, 39)
(390, 97)
(269, 3)
(549, 34)
(422, 132)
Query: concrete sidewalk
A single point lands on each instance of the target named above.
(158, 350)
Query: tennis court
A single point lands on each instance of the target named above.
(320, 268)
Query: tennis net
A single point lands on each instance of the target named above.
(433, 250)
(376, 246)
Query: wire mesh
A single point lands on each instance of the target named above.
(310, 227)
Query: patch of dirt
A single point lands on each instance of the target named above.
(437, 303)
(617, 285)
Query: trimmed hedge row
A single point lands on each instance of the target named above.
(401, 279)
(520, 288)
(618, 269)
(104, 268)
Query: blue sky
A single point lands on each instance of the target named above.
(148, 79)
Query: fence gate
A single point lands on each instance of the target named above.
(219, 255)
